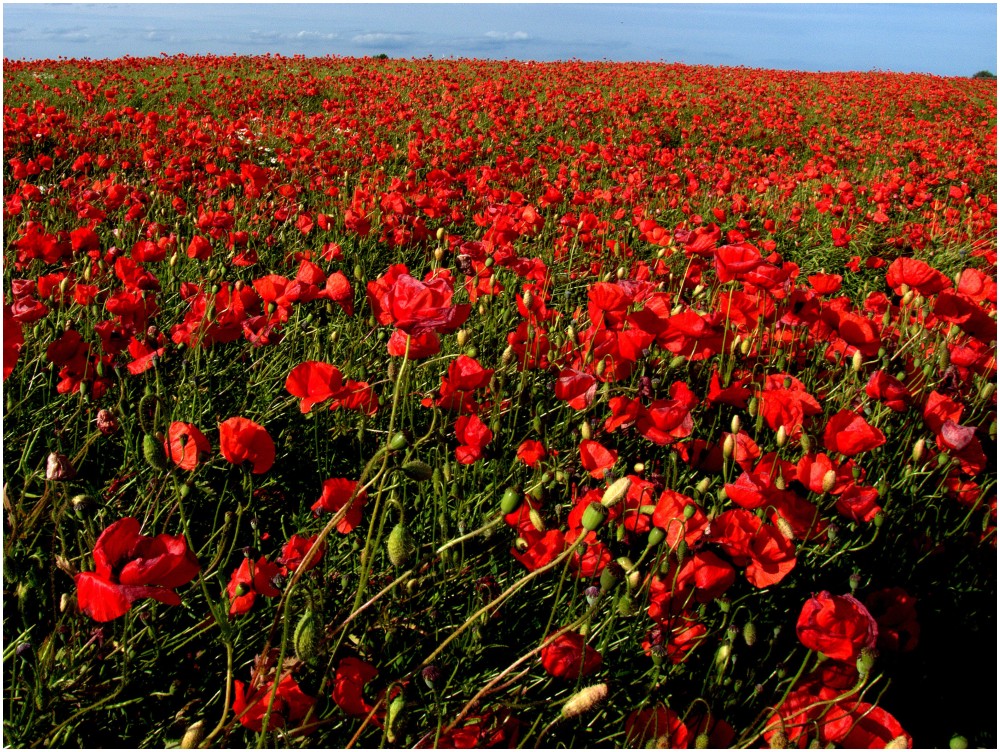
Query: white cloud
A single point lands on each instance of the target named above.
(378, 37)
(509, 36)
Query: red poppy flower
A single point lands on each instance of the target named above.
(772, 557)
(917, 275)
(248, 580)
(129, 566)
(670, 515)
(349, 682)
(415, 306)
(542, 550)
(872, 727)
(473, 436)
(576, 388)
(338, 290)
(787, 406)
(13, 340)
(531, 452)
(422, 345)
(314, 381)
(597, 459)
(890, 390)
(293, 552)
(838, 626)
(185, 444)
(657, 724)
(850, 434)
(336, 493)
(290, 704)
(570, 657)
(242, 440)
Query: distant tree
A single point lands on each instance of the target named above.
(986, 74)
(383, 56)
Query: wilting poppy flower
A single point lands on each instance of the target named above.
(569, 657)
(290, 704)
(596, 458)
(838, 626)
(850, 434)
(130, 566)
(250, 579)
(184, 445)
(242, 440)
(336, 493)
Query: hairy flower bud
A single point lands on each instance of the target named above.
(584, 701)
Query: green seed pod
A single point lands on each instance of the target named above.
(152, 450)
(594, 516)
(656, 537)
(306, 636)
(957, 742)
(511, 500)
(399, 545)
(701, 741)
(399, 442)
(83, 503)
(865, 662)
(418, 470)
(611, 575)
(750, 633)
(627, 606)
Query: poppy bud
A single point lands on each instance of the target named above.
(957, 742)
(750, 633)
(193, 736)
(681, 550)
(782, 437)
(784, 527)
(593, 516)
(745, 347)
(462, 337)
(536, 520)
(399, 545)
(677, 361)
(399, 442)
(701, 741)
(722, 656)
(395, 719)
(152, 450)
(879, 519)
(585, 431)
(918, 450)
(829, 480)
(701, 488)
(359, 273)
(58, 467)
(616, 492)
(621, 272)
(806, 442)
(728, 446)
(508, 355)
(304, 639)
(987, 390)
(511, 500)
(418, 470)
(778, 740)
(856, 361)
(584, 701)
(779, 482)
(752, 406)
(735, 424)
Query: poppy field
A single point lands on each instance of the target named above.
(450, 403)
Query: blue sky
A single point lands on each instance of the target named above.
(944, 39)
